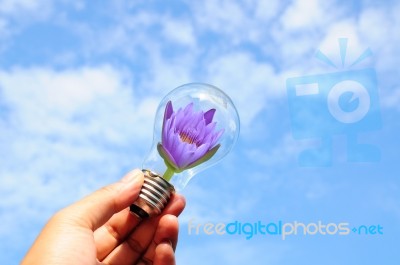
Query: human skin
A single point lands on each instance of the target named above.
(99, 229)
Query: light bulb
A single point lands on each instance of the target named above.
(196, 125)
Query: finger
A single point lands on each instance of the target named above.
(113, 232)
(97, 208)
(164, 254)
(137, 242)
(167, 231)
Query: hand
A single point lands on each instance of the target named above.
(99, 229)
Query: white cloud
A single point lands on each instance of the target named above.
(237, 22)
(251, 84)
(26, 9)
(300, 28)
(67, 132)
(303, 15)
(286, 149)
(47, 101)
(15, 15)
(221, 16)
(166, 74)
(266, 9)
(379, 27)
(126, 33)
(63, 92)
(179, 31)
(11, 6)
(391, 98)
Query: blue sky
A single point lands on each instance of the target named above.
(80, 83)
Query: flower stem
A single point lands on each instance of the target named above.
(168, 173)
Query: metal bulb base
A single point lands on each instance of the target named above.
(153, 196)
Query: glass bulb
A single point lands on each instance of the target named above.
(196, 125)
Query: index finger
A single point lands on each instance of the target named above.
(121, 225)
(112, 233)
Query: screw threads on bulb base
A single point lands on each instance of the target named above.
(153, 196)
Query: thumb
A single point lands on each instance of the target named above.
(97, 208)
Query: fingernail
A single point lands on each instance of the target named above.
(166, 241)
(132, 183)
(131, 176)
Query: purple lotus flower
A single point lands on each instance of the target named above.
(189, 138)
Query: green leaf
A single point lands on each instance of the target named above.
(166, 157)
(207, 156)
